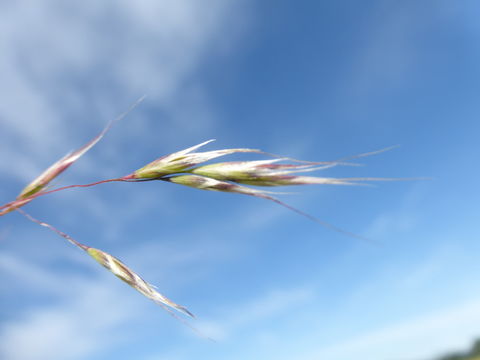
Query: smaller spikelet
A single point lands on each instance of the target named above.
(65, 162)
(124, 273)
(42, 181)
(181, 161)
(118, 268)
(205, 183)
(56, 169)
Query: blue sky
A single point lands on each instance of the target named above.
(316, 80)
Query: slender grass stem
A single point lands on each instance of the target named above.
(61, 233)
(15, 204)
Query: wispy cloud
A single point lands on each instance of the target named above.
(399, 220)
(73, 327)
(253, 312)
(417, 338)
(125, 49)
(66, 331)
(28, 275)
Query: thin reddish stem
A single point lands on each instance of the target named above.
(61, 233)
(75, 186)
(41, 193)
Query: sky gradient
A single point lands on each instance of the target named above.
(314, 80)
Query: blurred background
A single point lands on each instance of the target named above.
(315, 80)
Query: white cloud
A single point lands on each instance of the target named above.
(401, 220)
(26, 274)
(419, 338)
(390, 223)
(250, 314)
(81, 321)
(65, 66)
(71, 330)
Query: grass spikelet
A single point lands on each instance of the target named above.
(186, 161)
(118, 268)
(57, 168)
(185, 168)
(123, 272)
(65, 162)
(181, 161)
(40, 183)
(265, 173)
